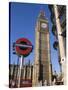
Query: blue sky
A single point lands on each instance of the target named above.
(23, 18)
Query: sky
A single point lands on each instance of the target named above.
(23, 18)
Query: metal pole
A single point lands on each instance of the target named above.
(60, 40)
(19, 78)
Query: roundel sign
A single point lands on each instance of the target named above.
(23, 47)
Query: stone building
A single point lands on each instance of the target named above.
(42, 63)
(26, 73)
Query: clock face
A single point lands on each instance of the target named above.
(43, 25)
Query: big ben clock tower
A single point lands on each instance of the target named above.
(42, 64)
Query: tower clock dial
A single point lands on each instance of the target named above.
(43, 25)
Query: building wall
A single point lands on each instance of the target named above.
(26, 71)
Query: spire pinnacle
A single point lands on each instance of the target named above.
(42, 14)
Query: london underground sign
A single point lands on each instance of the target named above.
(23, 47)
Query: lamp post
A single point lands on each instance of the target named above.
(61, 43)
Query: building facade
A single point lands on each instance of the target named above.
(27, 71)
(42, 63)
(26, 75)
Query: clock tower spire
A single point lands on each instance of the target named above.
(42, 64)
(42, 14)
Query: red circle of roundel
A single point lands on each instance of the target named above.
(25, 51)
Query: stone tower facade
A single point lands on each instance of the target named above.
(42, 63)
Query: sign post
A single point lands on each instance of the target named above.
(23, 48)
(21, 62)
